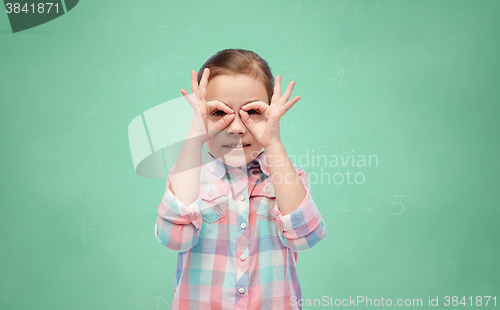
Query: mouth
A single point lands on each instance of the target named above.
(239, 146)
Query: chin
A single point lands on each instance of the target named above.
(235, 159)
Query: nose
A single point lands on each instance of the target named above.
(236, 126)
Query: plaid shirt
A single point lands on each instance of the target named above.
(236, 249)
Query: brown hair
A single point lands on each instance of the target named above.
(239, 61)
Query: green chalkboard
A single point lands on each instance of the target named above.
(397, 126)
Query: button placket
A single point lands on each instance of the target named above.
(242, 243)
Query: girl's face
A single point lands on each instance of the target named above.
(235, 92)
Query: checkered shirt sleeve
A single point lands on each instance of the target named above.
(177, 226)
(303, 228)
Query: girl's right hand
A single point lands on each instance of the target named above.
(201, 109)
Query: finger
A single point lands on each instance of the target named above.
(203, 83)
(290, 103)
(194, 84)
(185, 93)
(247, 120)
(288, 91)
(190, 99)
(224, 122)
(277, 89)
(216, 104)
(256, 105)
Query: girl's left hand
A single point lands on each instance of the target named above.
(266, 126)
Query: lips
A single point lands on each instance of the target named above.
(236, 145)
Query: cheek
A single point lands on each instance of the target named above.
(216, 139)
(210, 124)
(258, 117)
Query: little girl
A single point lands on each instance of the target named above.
(237, 215)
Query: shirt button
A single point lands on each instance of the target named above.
(243, 225)
(242, 257)
(241, 290)
(268, 189)
(242, 197)
(210, 193)
(239, 177)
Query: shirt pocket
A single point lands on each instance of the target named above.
(214, 201)
(264, 199)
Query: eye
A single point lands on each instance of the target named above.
(252, 111)
(219, 113)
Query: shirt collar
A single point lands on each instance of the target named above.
(218, 168)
